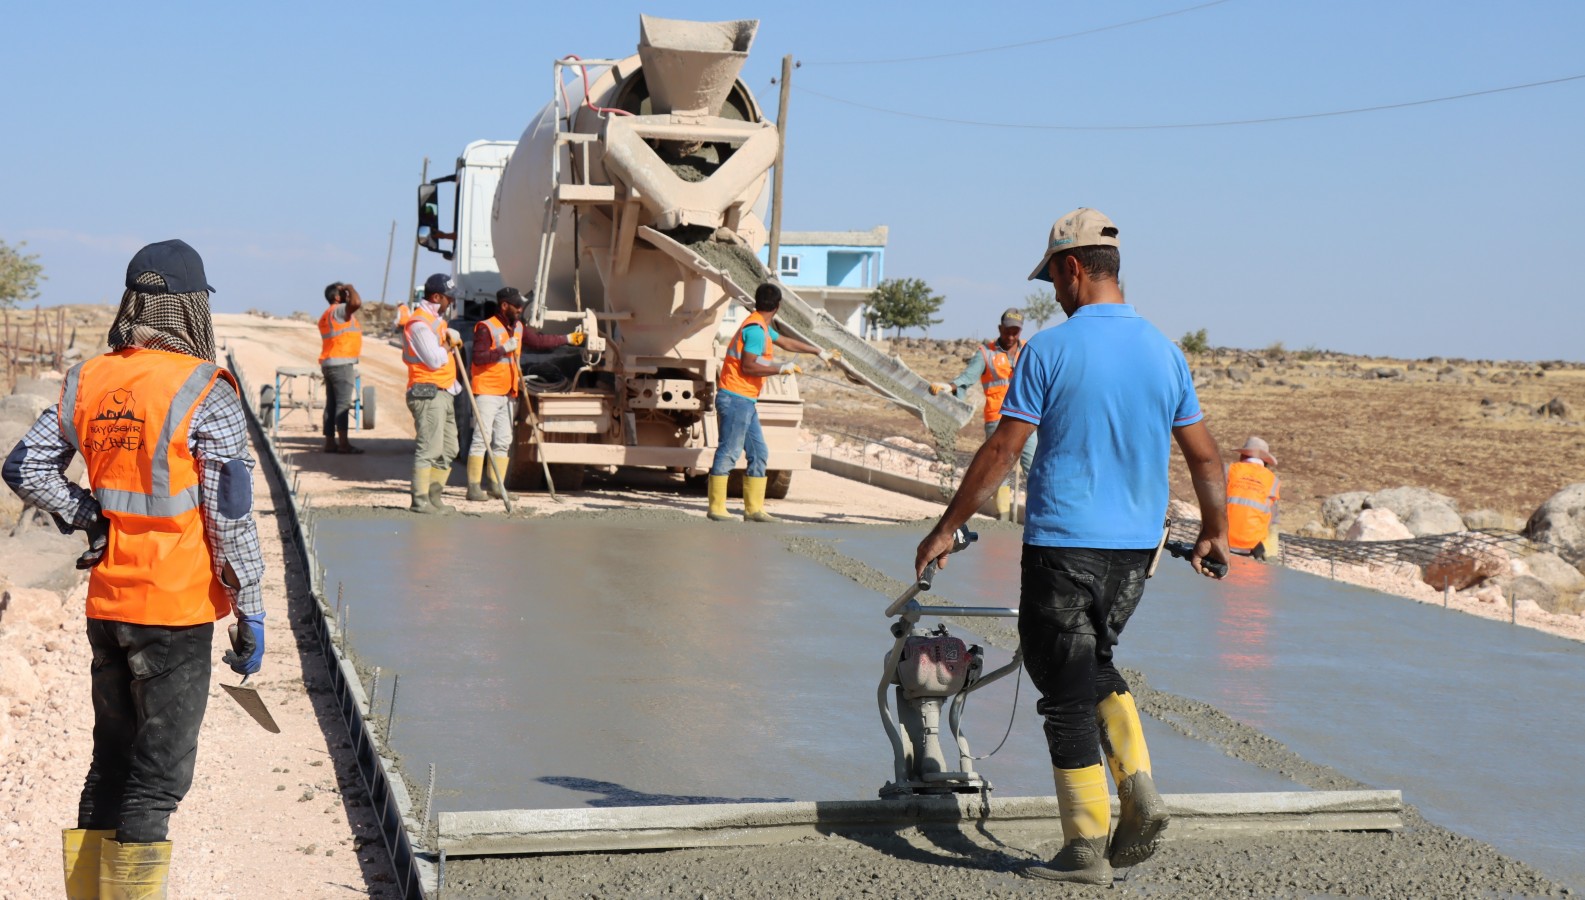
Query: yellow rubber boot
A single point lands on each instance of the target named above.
(1004, 503)
(437, 486)
(80, 851)
(498, 488)
(1143, 816)
(421, 491)
(1086, 818)
(754, 500)
(133, 871)
(717, 495)
(475, 472)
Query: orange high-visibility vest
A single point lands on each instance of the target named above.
(1252, 494)
(404, 314)
(128, 414)
(500, 378)
(417, 372)
(997, 375)
(339, 340)
(732, 377)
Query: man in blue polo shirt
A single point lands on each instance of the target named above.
(1107, 393)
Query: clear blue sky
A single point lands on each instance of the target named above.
(281, 140)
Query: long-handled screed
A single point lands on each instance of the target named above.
(478, 422)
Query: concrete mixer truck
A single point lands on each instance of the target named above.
(633, 208)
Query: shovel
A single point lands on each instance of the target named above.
(248, 697)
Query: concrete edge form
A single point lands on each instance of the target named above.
(585, 830)
(402, 833)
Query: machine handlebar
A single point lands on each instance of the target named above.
(1185, 550)
(961, 539)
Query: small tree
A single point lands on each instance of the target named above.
(1041, 307)
(20, 274)
(904, 303)
(1195, 342)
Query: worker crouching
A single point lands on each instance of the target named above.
(1253, 490)
(172, 547)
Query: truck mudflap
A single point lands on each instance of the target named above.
(884, 374)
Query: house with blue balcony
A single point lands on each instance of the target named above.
(831, 270)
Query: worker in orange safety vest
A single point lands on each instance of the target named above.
(341, 345)
(993, 368)
(172, 547)
(1253, 490)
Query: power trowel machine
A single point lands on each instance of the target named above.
(934, 673)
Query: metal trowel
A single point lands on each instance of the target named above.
(248, 697)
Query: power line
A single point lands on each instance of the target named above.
(1049, 40)
(1029, 126)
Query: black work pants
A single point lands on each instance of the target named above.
(1073, 604)
(340, 385)
(150, 686)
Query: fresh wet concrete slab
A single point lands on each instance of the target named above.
(628, 661)
(1479, 723)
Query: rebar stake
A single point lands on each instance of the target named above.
(429, 797)
(374, 693)
(390, 711)
(346, 620)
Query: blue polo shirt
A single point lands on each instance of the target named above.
(1105, 388)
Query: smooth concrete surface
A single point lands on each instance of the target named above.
(1479, 723)
(611, 662)
(1011, 820)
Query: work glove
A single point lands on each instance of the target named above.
(453, 338)
(98, 541)
(576, 338)
(829, 356)
(789, 369)
(942, 388)
(247, 644)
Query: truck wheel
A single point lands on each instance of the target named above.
(368, 408)
(267, 405)
(778, 483)
(567, 476)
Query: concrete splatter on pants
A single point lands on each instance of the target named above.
(1025, 459)
(435, 428)
(340, 384)
(150, 690)
(1073, 604)
(494, 432)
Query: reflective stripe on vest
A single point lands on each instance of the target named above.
(500, 378)
(732, 377)
(158, 568)
(997, 376)
(1251, 498)
(417, 372)
(339, 342)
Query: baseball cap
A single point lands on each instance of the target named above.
(175, 262)
(509, 295)
(1084, 227)
(1013, 317)
(440, 283)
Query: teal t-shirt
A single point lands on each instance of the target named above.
(1105, 390)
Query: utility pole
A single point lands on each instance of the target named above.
(412, 277)
(390, 247)
(781, 163)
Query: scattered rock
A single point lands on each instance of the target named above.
(1527, 589)
(1463, 565)
(1237, 374)
(1556, 408)
(17, 679)
(1453, 376)
(1483, 519)
(23, 408)
(1555, 572)
(1377, 525)
(1386, 372)
(1314, 529)
(1340, 508)
(1560, 522)
(1421, 511)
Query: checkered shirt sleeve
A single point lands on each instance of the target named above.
(219, 435)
